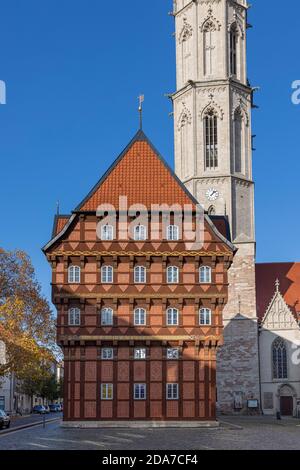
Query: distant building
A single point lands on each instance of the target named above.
(278, 307)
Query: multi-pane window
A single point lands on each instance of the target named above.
(107, 316)
(140, 317)
(139, 391)
(140, 275)
(172, 316)
(74, 316)
(211, 140)
(74, 275)
(173, 233)
(140, 233)
(279, 354)
(172, 275)
(107, 354)
(140, 353)
(107, 233)
(233, 50)
(205, 316)
(107, 391)
(107, 274)
(172, 392)
(205, 275)
(172, 353)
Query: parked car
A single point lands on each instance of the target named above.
(39, 409)
(47, 409)
(54, 408)
(59, 408)
(4, 420)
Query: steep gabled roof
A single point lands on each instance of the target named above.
(144, 177)
(288, 275)
(141, 174)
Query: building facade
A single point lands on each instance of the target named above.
(278, 306)
(139, 315)
(213, 158)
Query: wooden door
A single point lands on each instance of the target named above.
(286, 406)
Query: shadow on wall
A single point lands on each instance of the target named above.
(237, 371)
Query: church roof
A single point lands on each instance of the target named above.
(141, 174)
(288, 275)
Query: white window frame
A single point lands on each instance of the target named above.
(137, 392)
(105, 392)
(173, 233)
(74, 316)
(107, 311)
(140, 275)
(205, 317)
(107, 275)
(170, 316)
(140, 233)
(172, 275)
(139, 314)
(170, 355)
(74, 274)
(172, 391)
(107, 232)
(107, 354)
(140, 354)
(205, 275)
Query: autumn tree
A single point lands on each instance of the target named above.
(27, 326)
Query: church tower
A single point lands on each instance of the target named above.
(213, 158)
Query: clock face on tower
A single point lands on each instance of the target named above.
(212, 194)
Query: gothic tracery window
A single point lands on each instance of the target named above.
(211, 139)
(279, 357)
(238, 141)
(233, 35)
(209, 43)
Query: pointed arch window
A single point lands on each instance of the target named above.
(209, 44)
(211, 139)
(211, 210)
(279, 356)
(238, 141)
(233, 38)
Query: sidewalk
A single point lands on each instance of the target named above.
(17, 421)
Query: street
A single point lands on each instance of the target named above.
(259, 433)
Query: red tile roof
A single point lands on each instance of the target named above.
(142, 175)
(60, 222)
(288, 275)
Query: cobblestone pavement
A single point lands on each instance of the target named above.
(233, 434)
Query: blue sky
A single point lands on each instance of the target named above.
(74, 69)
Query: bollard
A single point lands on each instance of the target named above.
(44, 420)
